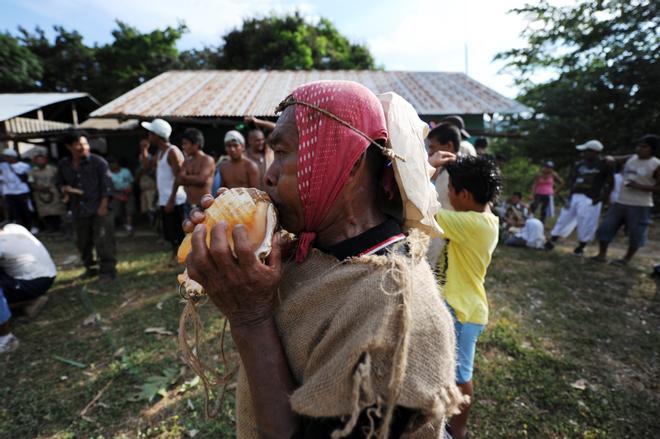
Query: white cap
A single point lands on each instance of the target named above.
(9, 152)
(159, 127)
(234, 135)
(594, 145)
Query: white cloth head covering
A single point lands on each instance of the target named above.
(234, 135)
(406, 138)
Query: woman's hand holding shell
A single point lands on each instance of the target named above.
(243, 288)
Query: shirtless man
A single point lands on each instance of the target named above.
(257, 147)
(239, 171)
(196, 175)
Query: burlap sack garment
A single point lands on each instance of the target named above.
(369, 331)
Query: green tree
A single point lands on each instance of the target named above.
(134, 57)
(290, 42)
(603, 56)
(68, 64)
(20, 69)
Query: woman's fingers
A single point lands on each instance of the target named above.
(206, 201)
(244, 253)
(219, 248)
(188, 226)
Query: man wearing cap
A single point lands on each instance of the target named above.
(238, 171)
(591, 183)
(466, 147)
(171, 196)
(641, 179)
(343, 331)
(14, 177)
(85, 179)
(48, 200)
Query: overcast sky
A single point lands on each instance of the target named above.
(423, 35)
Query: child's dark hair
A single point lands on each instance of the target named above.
(652, 141)
(446, 133)
(194, 136)
(518, 194)
(481, 142)
(477, 175)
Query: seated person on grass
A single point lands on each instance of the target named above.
(515, 211)
(472, 234)
(531, 235)
(26, 269)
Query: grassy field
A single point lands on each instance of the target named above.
(572, 350)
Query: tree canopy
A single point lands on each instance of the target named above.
(603, 58)
(65, 63)
(290, 42)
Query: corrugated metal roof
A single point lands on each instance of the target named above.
(102, 124)
(231, 93)
(25, 125)
(16, 104)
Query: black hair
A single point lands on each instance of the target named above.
(112, 159)
(446, 133)
(254, 128)
(194, 136)
(652, 141)
(72, 136)
(479, 176)
(481, 142)
(518, 194)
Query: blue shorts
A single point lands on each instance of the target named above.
(5, 314)
(636, 218)
(466, 345)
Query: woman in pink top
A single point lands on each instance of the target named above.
(544, 189)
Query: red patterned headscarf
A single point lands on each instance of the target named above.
(327, 147)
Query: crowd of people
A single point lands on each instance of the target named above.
(342, 355)
(625, 183)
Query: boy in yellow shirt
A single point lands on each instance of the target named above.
(472, 232)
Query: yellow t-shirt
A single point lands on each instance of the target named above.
(472, 239)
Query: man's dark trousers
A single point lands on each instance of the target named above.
(99, 232)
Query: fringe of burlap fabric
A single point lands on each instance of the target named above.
(368, 332)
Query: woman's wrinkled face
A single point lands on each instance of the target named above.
(282, 176)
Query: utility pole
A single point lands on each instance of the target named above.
(466, 58)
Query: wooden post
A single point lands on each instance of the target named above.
(74, 114)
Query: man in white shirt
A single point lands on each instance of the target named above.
(26, 273)
(14, 177)
(641, 179)
(171, 195)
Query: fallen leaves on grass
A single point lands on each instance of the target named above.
(69, 362)
(92, 319)
(157, 385)
(580, 384)
(158, 330)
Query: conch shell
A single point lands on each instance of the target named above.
(247, 206)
